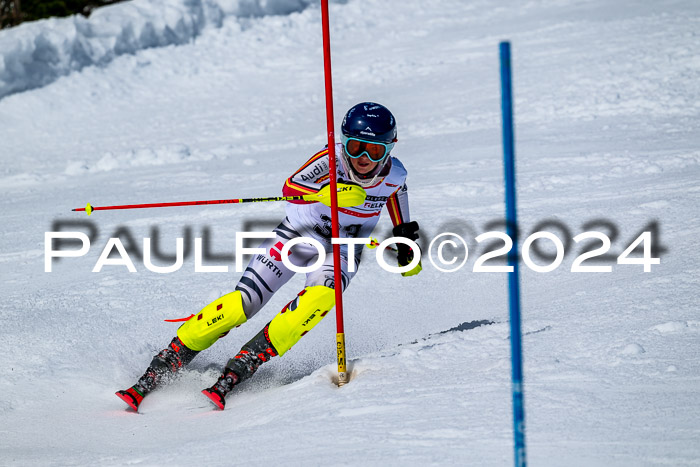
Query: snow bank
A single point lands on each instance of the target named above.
(36, 54)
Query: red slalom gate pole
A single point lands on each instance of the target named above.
(338, 278)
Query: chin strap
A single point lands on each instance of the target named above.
(381, 171)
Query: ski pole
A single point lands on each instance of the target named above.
(89, 208)
(374, 243)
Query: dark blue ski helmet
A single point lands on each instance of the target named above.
(370, 121)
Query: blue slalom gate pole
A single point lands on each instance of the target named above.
(513, 277)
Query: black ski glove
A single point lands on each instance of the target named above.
(405, 253)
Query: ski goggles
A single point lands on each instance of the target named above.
(356, 147)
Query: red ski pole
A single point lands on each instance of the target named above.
(89, 208)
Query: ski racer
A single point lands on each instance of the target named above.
(368, 179)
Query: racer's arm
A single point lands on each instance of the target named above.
(397, 204)
(309, 178)
(313, 179)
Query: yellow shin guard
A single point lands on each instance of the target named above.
(215, 320)
(300, 316)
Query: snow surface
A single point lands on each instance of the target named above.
(190, 105)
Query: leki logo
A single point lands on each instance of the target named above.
(310, 318)
(215, 320)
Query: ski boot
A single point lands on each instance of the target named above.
(165, 364)
(241, 367)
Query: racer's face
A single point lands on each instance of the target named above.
(363, 165)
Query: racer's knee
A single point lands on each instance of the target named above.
(300, 316)
(215, 320)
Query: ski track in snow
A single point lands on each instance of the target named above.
(607, 102)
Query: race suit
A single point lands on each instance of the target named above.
(266, 273)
